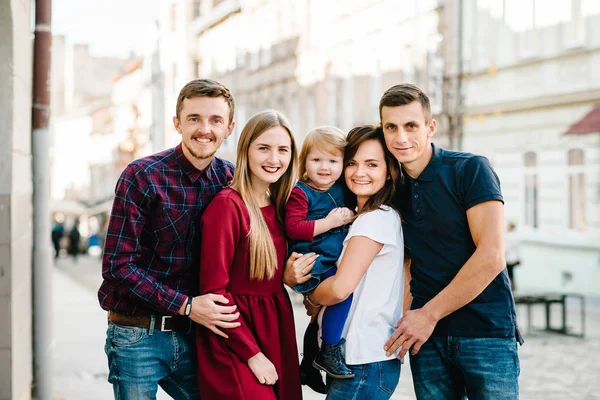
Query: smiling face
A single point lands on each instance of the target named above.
(269, 156)
(408, 135)
(203, 125)
(366, 172)
(323, 169)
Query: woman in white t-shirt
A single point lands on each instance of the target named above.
(371, 268)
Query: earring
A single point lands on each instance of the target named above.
(388, 178)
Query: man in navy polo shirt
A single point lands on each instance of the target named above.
(461, 327)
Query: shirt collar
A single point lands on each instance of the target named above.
(192, 172)
(431, 170)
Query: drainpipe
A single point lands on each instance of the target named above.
(42, 254)
(459, 113)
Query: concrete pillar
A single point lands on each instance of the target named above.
(15, 200)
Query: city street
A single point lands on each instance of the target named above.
(552, 366)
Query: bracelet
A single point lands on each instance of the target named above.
(307, 297)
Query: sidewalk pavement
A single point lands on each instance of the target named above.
(552, 366)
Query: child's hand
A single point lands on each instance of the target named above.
(263, 369)
(339, 216)
(349, 214)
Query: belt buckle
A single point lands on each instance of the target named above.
(163, 321)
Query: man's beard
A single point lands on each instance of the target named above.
(198, 155)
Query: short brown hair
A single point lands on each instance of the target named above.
(205, 88)
(385, 195)
(401, 95)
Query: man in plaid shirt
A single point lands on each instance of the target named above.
(151, 255)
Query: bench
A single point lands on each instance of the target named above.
(548, 299)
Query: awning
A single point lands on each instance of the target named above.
(67, 207)
(588, 124)
(101, 208)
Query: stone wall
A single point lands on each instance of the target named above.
(15, 200)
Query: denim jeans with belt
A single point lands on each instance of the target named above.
(373, 381)
(450, 367)
(140, 359)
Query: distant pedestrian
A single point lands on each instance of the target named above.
(511, 250)
(461, 329)
(74, 239)
(58, 231)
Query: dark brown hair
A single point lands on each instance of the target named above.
(401, 95)
(205, 88)
(385, 195)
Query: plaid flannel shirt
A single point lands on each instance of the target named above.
(151, 253)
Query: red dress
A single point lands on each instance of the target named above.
(265, 309)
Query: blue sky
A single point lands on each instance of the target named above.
(110, 27)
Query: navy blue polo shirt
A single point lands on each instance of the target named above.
(437, 235)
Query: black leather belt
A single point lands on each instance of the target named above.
(164, 323)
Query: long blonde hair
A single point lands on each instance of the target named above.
(263, 257)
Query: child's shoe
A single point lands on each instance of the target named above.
(331, 360)
(309, 375)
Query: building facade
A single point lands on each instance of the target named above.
(507, 79)
(319, 62)
(530, 73)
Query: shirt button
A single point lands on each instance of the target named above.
(416, 196)
(416, 183)
(418, 210)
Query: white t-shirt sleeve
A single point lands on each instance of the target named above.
(381, 226)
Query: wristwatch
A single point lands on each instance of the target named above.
(188, 306)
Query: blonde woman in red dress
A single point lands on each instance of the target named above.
(242, 257)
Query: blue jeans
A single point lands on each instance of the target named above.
(449, 367)
(140, 359)
(373, 381)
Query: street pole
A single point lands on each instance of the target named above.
(42, 259)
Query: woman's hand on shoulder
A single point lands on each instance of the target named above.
(263, 369)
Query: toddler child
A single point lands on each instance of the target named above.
(315, 221)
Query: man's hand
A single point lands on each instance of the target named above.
(206, 312)
(297, 268)
(412, 330)
(263, 369)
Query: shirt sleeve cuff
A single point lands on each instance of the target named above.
(179, 300)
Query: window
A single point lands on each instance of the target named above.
(576, 190)
(294, 113)
(376, 92)
(590, 7)
(174, 78)
(311, 111)
(197, 68)
(333, 101)
(531, 190)
(173, 17)
(197, 10)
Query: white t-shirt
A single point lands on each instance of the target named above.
(377, 302)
